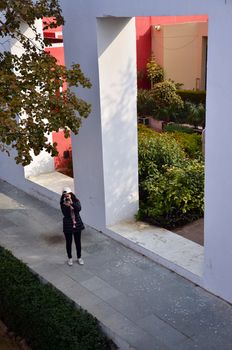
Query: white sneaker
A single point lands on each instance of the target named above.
(70, 262)
(80, 261)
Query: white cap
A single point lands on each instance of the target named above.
(67, 190)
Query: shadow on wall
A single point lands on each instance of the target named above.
(108, 35)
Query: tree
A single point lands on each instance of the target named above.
(167, 102)
(31, 103)
(155, 72)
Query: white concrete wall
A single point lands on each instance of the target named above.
(106, 148)
(43, 163)
(81, 21)
(87, 145)
(118, 81)
(218, 189)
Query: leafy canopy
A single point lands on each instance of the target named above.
(32, 100)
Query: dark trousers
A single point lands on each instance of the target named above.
(77, 239)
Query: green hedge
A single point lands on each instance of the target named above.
(191, 144)
(192, 96)
(41, 314)
(145, 103)
(175, 127)
(171, 184)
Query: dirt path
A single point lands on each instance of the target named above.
(193, 231)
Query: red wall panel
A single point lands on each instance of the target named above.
(143, 36)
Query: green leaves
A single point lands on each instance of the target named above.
(155, 72)
(196, 113)
(171, 184)
(33, 100)
(41, 314)
(161, 101)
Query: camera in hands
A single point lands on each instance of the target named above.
(67, 200)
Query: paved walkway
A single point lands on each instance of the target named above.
(141, 304)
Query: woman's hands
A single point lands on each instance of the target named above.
(67, 200)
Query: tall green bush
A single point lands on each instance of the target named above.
(171, 184)
(166, 100)
(161, 101)
(193, 96)
(191, 144)
(41, 314)
(145, 103)
(155, 72)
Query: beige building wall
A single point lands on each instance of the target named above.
(180, 49)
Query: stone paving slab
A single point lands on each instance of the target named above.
(139, 303)
(162, 246)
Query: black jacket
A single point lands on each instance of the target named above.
(67, 219)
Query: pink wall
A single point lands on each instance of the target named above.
(58, 52)
(63, 145)
(51, 32)
(143, 36)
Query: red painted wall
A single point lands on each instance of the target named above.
(63, 144)
(51, 32)
(143, 37)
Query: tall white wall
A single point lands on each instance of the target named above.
(118, 81)
(81, 37)
(218, 189)
(105, 149)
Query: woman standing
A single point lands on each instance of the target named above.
(72, 223)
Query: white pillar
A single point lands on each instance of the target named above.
(218, 189)
(118, 84)
(105, 150)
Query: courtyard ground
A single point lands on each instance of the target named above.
(139, 303)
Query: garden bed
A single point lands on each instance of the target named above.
(41, 314)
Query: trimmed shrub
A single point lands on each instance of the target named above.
(171, 184)
(145, 103)
(174, 127)
(167, 102)
(175, 197)
(41, 314)
(161, 102)
(189, 141)
(192, 96)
